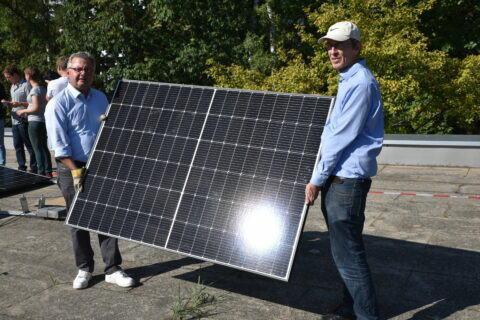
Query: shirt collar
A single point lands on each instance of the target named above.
(77, 94)
(350, 71)
(19, 83)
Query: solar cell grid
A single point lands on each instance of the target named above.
(217, 174)
(14, 180)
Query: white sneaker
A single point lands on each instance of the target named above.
(120, 278)
(82, 279)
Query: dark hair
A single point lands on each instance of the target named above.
(84, 55)
(11, 70)
(62, 62)
(34, 73)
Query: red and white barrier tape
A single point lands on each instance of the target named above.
(425, 195)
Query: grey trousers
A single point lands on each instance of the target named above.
(82, 248)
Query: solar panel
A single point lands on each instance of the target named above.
(15, 180)
(216, 174)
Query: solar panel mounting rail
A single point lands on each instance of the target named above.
(212, 173)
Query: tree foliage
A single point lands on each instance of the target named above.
(453, 26)
(422, 89)
(425, 58)
(27, 33)
(157, 40)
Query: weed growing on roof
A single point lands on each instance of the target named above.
(191, 305)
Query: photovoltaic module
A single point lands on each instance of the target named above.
(216, 174)
(12, 180)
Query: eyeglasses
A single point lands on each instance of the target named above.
(78, 70)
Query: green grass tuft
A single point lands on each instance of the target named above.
(191, 305)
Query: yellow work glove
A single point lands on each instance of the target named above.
(77, 175)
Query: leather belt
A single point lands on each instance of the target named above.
(79, 164)
(336, 179)
(340, 180)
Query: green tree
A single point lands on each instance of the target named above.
(466, 97)
(418, 92)
(453, 26)
(426, 70)
(27, 32)
(157, 40)
(273, 32)
(27, 36)
(114, 31)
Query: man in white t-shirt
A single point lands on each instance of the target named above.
(57, 85)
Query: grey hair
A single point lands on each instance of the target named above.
(81, 54)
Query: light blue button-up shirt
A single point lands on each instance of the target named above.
(73, 122)
(353, 135)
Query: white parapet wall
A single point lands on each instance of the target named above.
(431, 150)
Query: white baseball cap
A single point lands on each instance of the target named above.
(342, 31)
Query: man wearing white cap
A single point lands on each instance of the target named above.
(351, 141)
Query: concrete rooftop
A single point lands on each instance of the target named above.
(424, 253)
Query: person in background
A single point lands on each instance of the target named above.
(351, 141)
(57, 85)
(19, 93)
(3, 154)
(36, 121)
(73, 122)
(49, 75)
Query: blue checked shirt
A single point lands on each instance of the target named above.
(353, 135)
(73, 122)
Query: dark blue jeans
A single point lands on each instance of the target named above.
(343, 206)
(3, 156)
(38, 138)
(20, 138)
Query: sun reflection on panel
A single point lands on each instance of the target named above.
(260, 229)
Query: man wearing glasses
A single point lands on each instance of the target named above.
(73, 122)
(351, 141)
